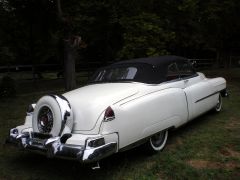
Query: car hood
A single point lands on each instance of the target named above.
(90, 101)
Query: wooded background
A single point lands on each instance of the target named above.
(84, 31)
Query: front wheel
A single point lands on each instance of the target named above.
(157, 142)
(218, 107)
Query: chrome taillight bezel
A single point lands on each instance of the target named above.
(109, 114)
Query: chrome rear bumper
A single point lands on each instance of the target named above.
(56, 147)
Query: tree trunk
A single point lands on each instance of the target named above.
(69, 66)
(31, 45)
(218, 58)
(68, 50)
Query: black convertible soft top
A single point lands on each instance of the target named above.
(151, 70)
(154, 61)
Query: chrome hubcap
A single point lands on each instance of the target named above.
(45, 120)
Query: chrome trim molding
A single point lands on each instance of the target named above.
(108, 119)
(53, 147)
(95, 154)
(207, 96)
(223, 93)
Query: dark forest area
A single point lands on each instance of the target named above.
(67, 32)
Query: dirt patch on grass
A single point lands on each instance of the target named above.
(229, 152)
(203, 164)
(233, 123)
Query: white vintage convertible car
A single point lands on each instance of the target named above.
(124, 105)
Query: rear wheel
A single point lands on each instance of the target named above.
(157, 142)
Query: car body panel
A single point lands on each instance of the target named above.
(196, 89)
(90, 101)
(147, 115)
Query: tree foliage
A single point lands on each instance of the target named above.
(143, 36)
(30, 30)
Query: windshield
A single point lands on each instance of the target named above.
(115, 74)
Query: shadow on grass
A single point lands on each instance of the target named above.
(28, 165)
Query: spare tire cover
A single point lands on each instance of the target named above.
(52, 115)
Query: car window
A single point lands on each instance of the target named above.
(172, 72)
(116, 74)
(185, 69)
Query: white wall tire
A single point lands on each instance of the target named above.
(218, 106)
(157, 142)
(47, 117)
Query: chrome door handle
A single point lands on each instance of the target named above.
(186, 81)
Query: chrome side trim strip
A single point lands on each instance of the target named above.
(207, 96)
(223, 92)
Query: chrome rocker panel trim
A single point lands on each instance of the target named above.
(53, 147)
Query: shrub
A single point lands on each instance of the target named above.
(7, 87)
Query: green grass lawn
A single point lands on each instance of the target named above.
(206, 148)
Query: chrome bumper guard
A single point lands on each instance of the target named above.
(53, 147)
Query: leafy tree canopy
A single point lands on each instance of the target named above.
(30, 30)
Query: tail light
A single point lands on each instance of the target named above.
(109, 114)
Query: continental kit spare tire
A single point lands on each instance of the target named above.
(53, 115)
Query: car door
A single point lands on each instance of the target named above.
(159, 107)
(197, 90)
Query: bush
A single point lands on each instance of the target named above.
(7, 87)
